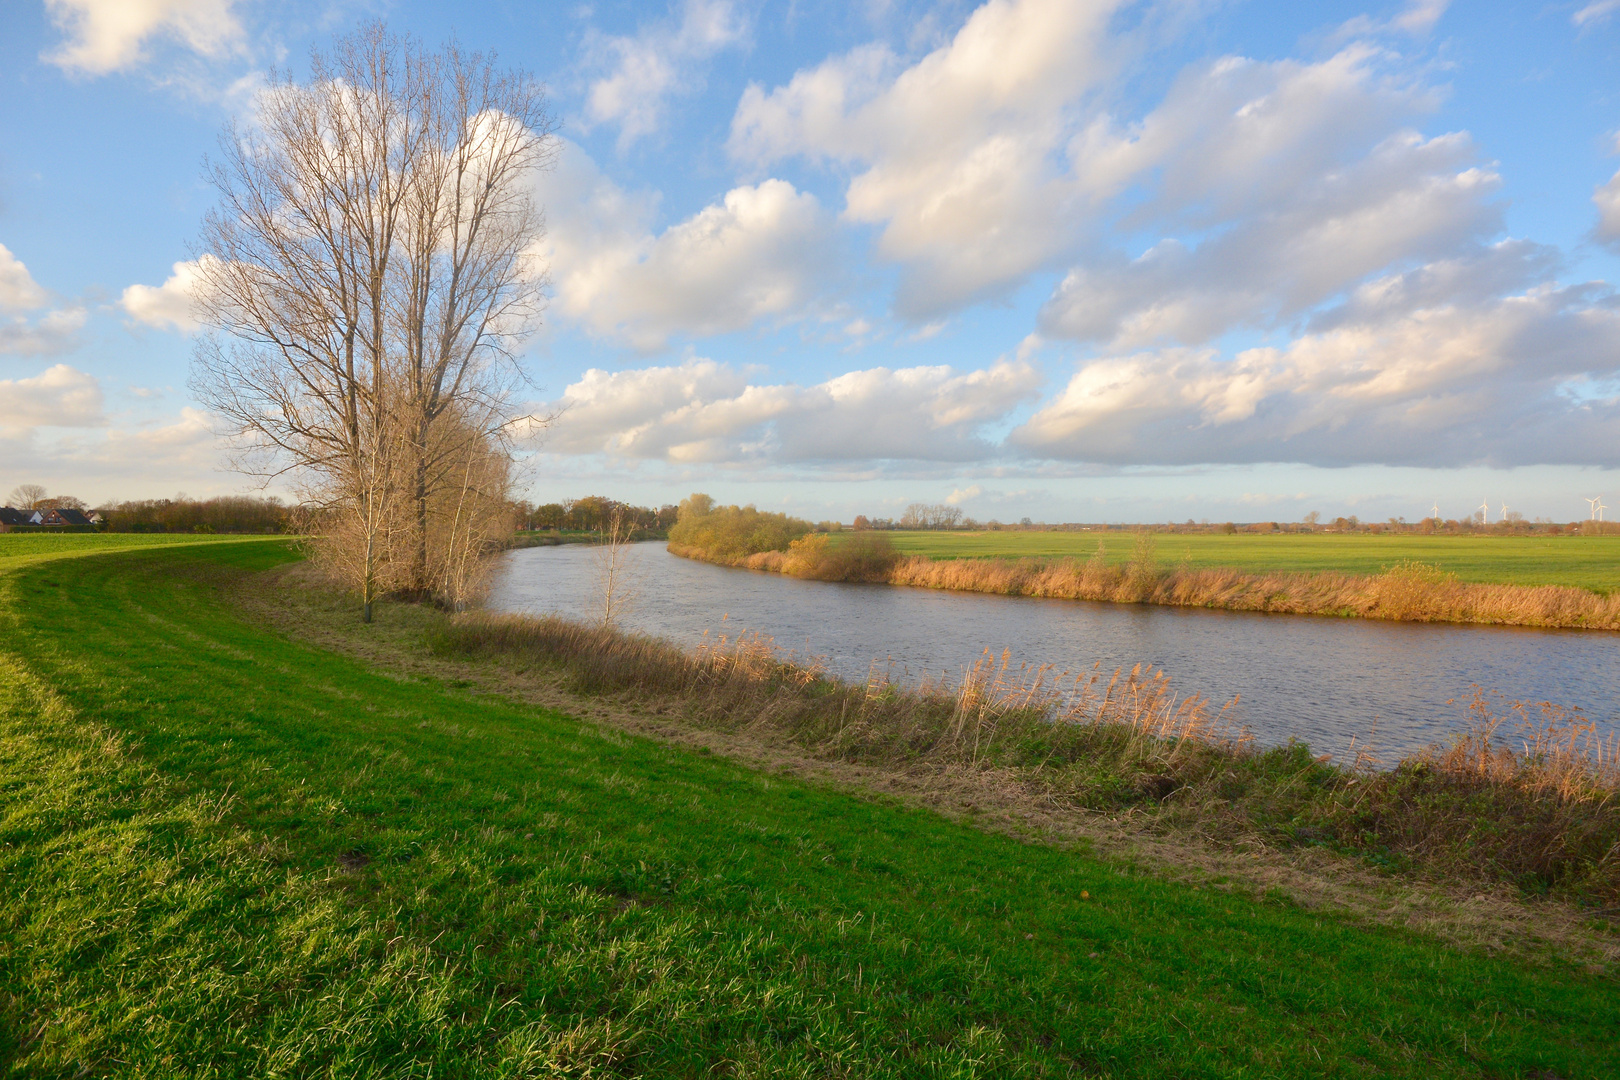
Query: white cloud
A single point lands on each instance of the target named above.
(701, 411)
(125, 462)
(1523, 379)
(18, 290)
(659, 61)
(190, 438)
(1410, 198)
(52, 333)
(995, 156)
(60, 396)
(1607, 200)
(764, 252)
(1421, 15)
(168, 306)
(1595, 12)
(957, 148)
(108, 35)
(1416, 19)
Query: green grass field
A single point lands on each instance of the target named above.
(18, 548)
(224, 853)
(1581, 561)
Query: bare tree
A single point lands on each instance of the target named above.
(614, 577)
(26, 496)
(471, 284)
(366, 277)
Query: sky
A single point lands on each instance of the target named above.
(1074, 261)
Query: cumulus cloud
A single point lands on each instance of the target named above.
(18, 290)
(1411, 198)
(169, 306)
(659, 61)
(764, 251)
(1525, 379)
(108, 35)
(702, 411)
(1274, 188)
(995, 156)
(60, 396)
(45, 335)
(50, 334)
(956, 150)
(1607, 201)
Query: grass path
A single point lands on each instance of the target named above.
(1588, 562)
(223, 853)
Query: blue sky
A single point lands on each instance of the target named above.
(1075, 261)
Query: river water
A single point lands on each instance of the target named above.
(1322, 680)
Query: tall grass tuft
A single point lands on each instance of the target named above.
(1525, 795)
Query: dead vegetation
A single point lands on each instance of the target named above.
(1408, 591)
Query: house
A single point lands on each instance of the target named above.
(10, 517)
(58, 515)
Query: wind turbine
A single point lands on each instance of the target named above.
(1435, 513)
(1600, 508)
(1484, 511)
(1594, 503)
(1504, 512)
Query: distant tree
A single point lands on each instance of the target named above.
(1312, 518)
(26, 496)
(861, 523)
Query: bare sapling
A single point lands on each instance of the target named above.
(614, 577)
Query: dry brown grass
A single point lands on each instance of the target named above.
(1409, 591)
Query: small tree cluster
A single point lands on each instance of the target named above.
(930, 516)
(366, 275)
(728, 533)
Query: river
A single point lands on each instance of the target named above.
(1322, 680)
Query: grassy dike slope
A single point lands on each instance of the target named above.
(223, 853)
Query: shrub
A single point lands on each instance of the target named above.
(729, 534)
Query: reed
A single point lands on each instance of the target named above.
(1525, 794)
(1409, 591)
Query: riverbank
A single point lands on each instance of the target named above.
(1408, 591)
(241, 827)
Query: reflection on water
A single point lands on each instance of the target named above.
(1317, 679)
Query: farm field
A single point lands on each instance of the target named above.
(1589, 562)
(218, 845)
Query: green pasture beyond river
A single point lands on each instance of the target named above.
(224, 852)
(1588, 562)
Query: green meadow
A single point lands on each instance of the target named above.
(227, 853)
(1590, 562)
(23, 547)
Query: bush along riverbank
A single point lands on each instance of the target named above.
(1409, 591)
(1526, 796)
